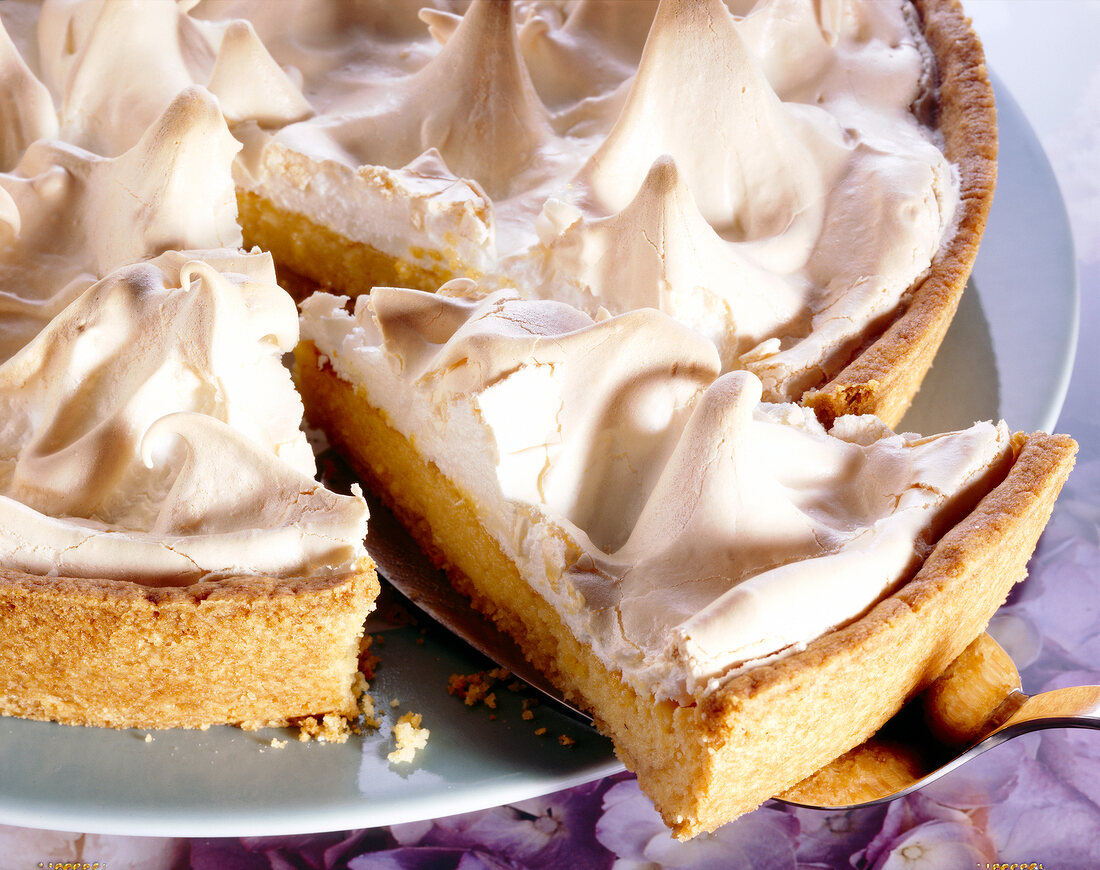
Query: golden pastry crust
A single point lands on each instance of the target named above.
(247, 651)
(872, 770)
(969, 697)
(885, 375)
(705, 764)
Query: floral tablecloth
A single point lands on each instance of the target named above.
(1035, 800)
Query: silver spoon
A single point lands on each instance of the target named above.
(867, 775)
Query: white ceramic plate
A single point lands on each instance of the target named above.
(1009, 351)
(1007, 355)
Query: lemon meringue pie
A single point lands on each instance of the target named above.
(640, 290)
(704, 571)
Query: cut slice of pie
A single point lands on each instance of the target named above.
(737, 594)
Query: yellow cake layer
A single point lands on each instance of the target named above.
(309, 256)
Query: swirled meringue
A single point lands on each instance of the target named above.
(70, 216)
(741, 530)
(152, 434)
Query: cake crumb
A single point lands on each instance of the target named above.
(565, 740)
(366, 710)
(540, 731)
(471, 688)
(331, 729)
(148, 738)
(408, 737)
(365, 702)
(276, 743)
(527, 715)
(395, 703)
(359, 684)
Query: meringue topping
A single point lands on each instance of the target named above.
(26, 108)
(584, 142)
(757, 176)
(742, 530)
(473, 103)
(659, 252)
(74, 216)
(249, 84)
(152, 434)
(114, 65)
(756, 140)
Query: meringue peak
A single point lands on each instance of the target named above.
(26, 107)
(170, 169)
(496, 123)
(116, 65)
(473, 102)
(79, 215)
(441, 24)
(660, 252)
(658, 240)
(250, 85)
(697, 80)
(590, 54)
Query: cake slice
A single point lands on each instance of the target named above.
(167, 558)
(737, 594)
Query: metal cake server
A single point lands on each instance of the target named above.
(403, 564)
